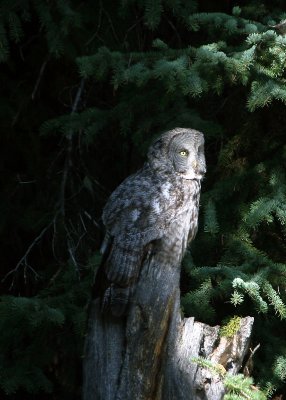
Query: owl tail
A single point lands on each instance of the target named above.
(116, 299)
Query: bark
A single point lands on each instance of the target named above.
(148, 354)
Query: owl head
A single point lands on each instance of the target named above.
(179, 151)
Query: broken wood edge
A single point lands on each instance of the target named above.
(197, 339)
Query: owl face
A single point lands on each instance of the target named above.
(186, 153)
(179, 151)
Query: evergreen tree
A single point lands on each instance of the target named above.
(85, 86)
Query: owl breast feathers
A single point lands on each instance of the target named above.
(155, 207)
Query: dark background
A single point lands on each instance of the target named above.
(85, 86)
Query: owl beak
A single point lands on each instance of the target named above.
(195, 165)
(201, 172)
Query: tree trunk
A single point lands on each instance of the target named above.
(147, 355)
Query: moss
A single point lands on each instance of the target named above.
(230, 327)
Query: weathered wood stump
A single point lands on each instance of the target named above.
(147, 355)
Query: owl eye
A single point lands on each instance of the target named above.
(184, 153)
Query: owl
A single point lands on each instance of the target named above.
(153, 212)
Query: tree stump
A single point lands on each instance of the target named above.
(147, 355)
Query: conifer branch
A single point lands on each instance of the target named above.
(174, 29)
(110, 23)
(247, 370)
(131, 28)
(91, 219)
(40, 76)
(97, 29)
(68, 159)
(28, 251)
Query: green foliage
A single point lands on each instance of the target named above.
(199, 301)
(230, 327)
(43, 334)
(85, 86)
(211, 225)
(25, 318)
(238, 387)
(215, 368)
(280, 368)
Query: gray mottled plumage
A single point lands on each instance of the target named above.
(157, 208)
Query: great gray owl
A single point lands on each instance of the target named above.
(156, 209)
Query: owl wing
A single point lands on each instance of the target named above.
(137, 213)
